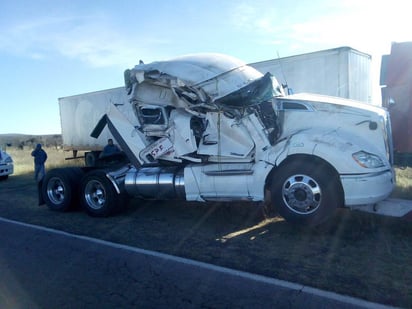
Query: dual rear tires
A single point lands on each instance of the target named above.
(305, 192)
(65, 189)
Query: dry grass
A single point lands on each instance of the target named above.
(403, 183)
(23, 161)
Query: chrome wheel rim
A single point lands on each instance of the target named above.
(95, 194)
(301, 194)
(55, 190)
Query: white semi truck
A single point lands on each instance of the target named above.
(208, 127)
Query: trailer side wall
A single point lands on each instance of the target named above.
(342, 72)
(80, 113)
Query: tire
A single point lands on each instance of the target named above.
(60, 188)
(98, 196)
(306, 192)
(91, 158)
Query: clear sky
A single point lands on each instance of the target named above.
(56, 48)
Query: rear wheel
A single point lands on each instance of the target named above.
(306, 192)
(60, 188)
(90, 158)
(98, 195)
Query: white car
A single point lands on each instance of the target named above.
(6, 165)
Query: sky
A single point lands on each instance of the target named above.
(56, 48)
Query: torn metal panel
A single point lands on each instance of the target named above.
(200, 79)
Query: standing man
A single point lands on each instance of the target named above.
(40, 157)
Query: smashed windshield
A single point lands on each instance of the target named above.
(258, 91)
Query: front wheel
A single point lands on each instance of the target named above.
(99, 197)
(306, 193)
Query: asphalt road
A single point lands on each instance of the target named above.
(43, 268)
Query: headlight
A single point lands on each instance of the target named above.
(368, 160)
(8, 160)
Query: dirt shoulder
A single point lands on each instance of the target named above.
(357, 254)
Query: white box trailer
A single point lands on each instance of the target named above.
(80, 113)
(340, 72)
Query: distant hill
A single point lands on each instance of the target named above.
(25, 140)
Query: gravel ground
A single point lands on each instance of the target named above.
(356, 254)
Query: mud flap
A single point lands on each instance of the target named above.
(39, 191)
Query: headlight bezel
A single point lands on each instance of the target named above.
(367, 159)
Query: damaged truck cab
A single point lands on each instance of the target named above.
(207, 127)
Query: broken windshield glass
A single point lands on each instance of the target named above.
(256, 92)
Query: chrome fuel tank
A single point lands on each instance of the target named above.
(156, 182)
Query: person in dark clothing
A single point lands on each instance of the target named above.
(109, 149)
(40, 157)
